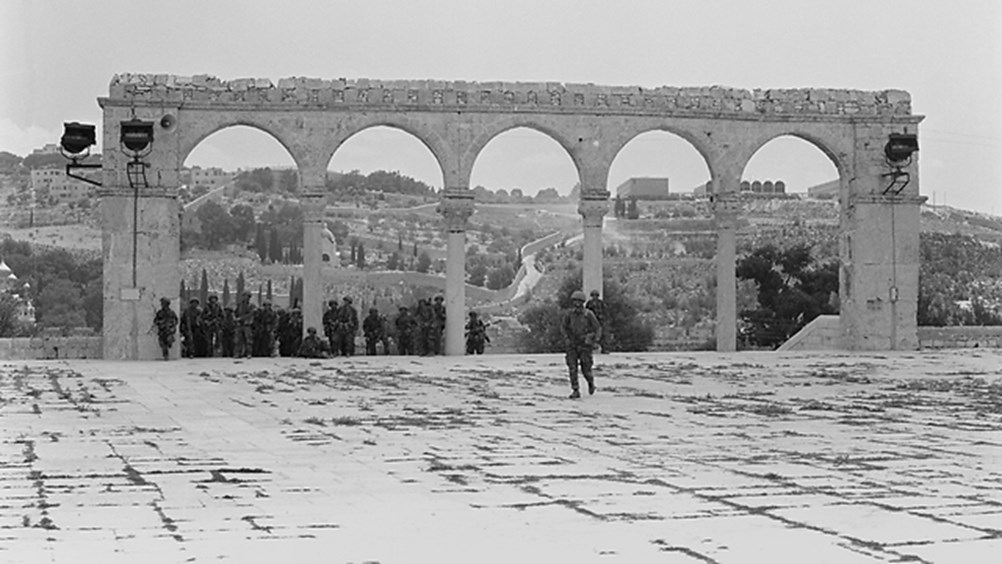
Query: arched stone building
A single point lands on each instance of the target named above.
(312, 118)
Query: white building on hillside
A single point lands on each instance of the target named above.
(60, 188)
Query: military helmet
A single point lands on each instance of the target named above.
(578, 295)
(594, 293)
(164, 301)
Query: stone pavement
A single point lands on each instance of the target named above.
(679, 458)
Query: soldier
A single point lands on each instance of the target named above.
(404, 324)
(165, 321)
(438, 326)
(227, 332)
(192, 344)
(212, 317)
(330, 324)
(374, 329)
(597, 306)
(312, 345)
(581, 332)
(346, 327)
(245, 326)
(267, 321)
(424, 318)
(476, 334)
(289, 331)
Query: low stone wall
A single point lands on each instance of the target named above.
(821, 334)
(36, 348)
(960, 337)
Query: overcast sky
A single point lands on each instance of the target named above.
(57, 57)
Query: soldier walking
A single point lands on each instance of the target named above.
(165, 321)
(581, 332)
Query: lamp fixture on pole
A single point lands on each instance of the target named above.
(898, 155)
(75, 145)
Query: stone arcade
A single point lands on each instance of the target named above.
(311, 118)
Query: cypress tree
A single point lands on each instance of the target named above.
(203, 291)
(269, 294)
(226, 292)
(240, 285)
(275, 247)
(260, 244)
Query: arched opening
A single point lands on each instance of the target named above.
(526, 187)
(241, 229)
(660, 238)
(523, 165)
(791, 165)
(383, 234)
(790, 191)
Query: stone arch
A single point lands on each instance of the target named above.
(828, 145)
(704, 150)
(435, 144)
(195, 136)
(498, 127)
(549, 141)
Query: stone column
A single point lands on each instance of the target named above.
(314, 204)
(878, 283)
(457, 207)
(726, 206)
(593, 207)
(141, 251)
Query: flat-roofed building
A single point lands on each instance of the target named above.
(643, 188)
(61, 188)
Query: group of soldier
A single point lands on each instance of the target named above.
(245, 330)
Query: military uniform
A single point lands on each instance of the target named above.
(165, 321)
(476, 334)
(597, 306)
(438, 326)
(374, 329)
(212, 317)
(330, 325)
(312, 345)
(346, 328)
(191, 331)
(404, 325)
(244, 327)
(581, 332)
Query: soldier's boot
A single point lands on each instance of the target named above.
(575, 390)
(591, 385)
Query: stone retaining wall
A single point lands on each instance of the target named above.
(36, 348)
(960, 337)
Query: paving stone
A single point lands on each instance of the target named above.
(678, 458)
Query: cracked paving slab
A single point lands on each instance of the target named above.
(753, 457)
